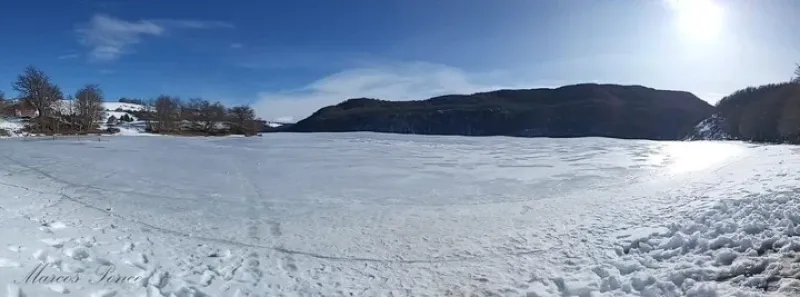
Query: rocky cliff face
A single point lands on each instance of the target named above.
(633, 112)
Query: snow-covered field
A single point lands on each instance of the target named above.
(364, 214)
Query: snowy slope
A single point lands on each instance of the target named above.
(112, 106)
(66, 106)
(363, 214)
(118, 115)
(709, 129)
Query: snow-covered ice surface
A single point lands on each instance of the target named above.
(364, 214)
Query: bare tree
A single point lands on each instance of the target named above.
(214, 113)
(203, 115)
(191, 112)
(167, 114)
(796, 78)
(243, 120)
(35, 87)
(148, 114)
(2, 102)
(89, 107)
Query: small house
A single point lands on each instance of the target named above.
(21, 109)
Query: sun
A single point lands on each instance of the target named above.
(700, 20)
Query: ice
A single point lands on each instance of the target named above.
(365, 214)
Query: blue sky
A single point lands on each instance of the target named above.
(289, 58)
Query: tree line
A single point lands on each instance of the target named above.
(766, 113)
(83, 112)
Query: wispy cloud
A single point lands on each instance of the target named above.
(237, 45)
(109, 38)
(194, 24)
(407, 81)
(68, 56)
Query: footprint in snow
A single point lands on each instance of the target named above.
(57, 225)
(55, 242)
(104, 293)
(58, 288)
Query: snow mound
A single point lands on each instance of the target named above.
(710, 129)
(12, 127)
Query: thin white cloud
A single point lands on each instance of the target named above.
(409, 81)
(109, 38)
(236, 45)
(194, 24)
(68, 57)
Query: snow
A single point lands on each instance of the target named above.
(112, 106)
(117, 114)
(109, 110)
(365, 214)
(65, 105)
(13, 127)
(135, 128)
(710, 129)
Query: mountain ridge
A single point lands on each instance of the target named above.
(579, 110)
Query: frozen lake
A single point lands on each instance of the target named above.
(394, 215)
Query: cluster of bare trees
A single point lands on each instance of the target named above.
(172, 115)
(39, 93)
(84, 112)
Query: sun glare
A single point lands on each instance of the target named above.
(700, 20)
